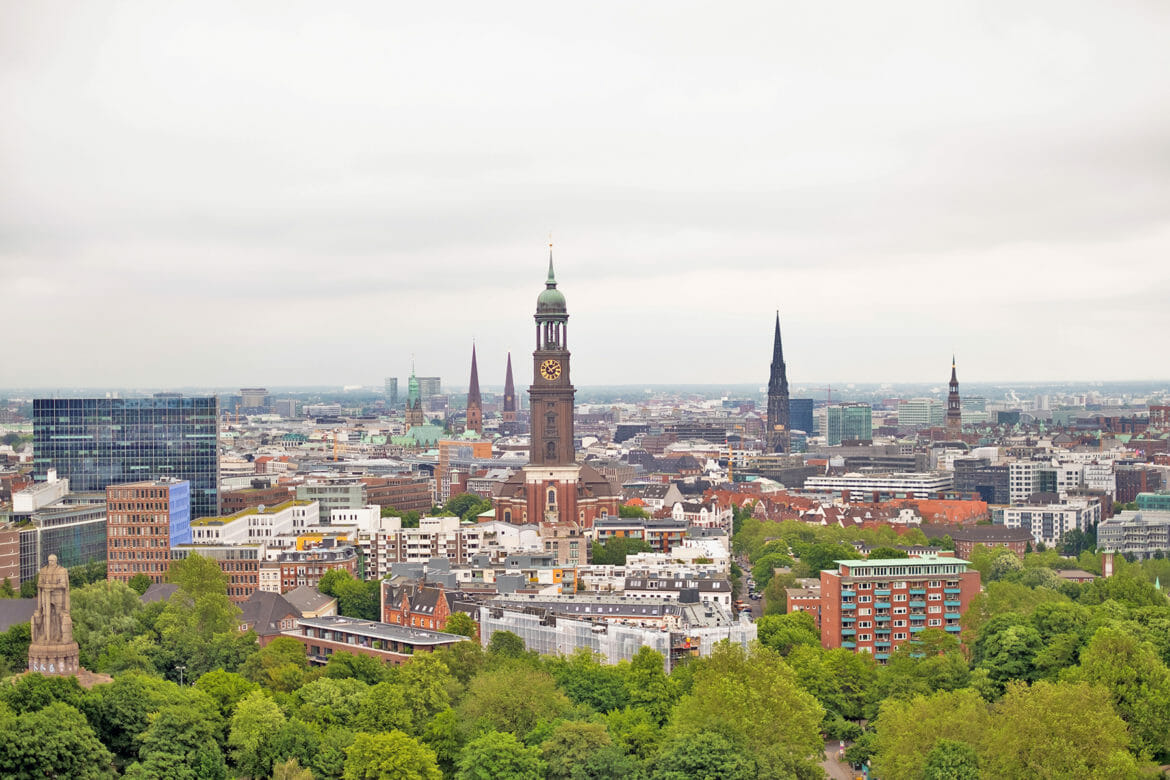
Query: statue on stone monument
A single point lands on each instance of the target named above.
(51, 622)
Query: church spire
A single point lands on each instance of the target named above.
(954, 418)
(778, 407)
(474, 403)
(509, 388)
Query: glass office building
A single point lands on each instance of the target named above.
(98, 442)
(848, 422)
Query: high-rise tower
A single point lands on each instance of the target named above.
(474, 404)
(954, 407)
(414, 410)
(778, 398)
(563, 496)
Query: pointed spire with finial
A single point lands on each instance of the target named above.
(954, 376)
(509, 388)
(473, 385)
(551, 282)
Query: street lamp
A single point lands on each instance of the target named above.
(181, 669)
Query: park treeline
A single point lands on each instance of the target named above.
(1053, 679)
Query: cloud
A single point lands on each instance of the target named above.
(308, 194)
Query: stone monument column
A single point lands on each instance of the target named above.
(52, 650)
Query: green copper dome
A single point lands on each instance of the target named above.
(552, 300)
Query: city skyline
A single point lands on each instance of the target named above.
(902, 187)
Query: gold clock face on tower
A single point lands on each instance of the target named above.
(550, 369)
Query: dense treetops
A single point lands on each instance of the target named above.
(1054, 679)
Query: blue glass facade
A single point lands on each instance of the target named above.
(97, 442)
(179, 510)
(800, 415)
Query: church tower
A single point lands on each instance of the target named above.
(474, 403)
(954, 407)
(778, 398)
(551, 393)
(509, 414)
(563, 496)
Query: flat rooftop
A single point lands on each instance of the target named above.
(252, 510)
(375, 630)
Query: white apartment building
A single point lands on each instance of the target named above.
(919, 483)
(1026, 477)
(445, 537)
(1050, 523)
(255, 525)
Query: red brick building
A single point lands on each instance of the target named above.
(238, 500)
(423, 606)
(965, 539)
(143, 521)
(875, 606)
(307, 567)
(405, 493)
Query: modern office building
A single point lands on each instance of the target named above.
(920, 413)
(323, 636)
(800, 414)
(977, 475)
(98, 442)
(429, 386)
(334, 493)
(848, 422)
(392, 390)
(1140, 534)
(143, 521)
(1156, 501)
(254, 399)
(875, 606)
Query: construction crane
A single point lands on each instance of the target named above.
(829, 393)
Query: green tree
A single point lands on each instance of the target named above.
(634, 731)
(182, 741)
(615, 550)
(632, 511)
(907, 730)
(55, 741)
(1007, 648)
(120, 711)
(648, 687)
(753, 698)
(885, 553)
(511, 698)
(1138, 682)
(199, 625)
(256, 719)
(463, 624)
(35, 691)
(139, 583)
(951, 760)
(290, 770)
(505, 644)
(703, 756)
(586, 680)
(783, 633)
(497, 755)
(355, 598)
(328, 702)
(390, 756)
(14, 648)
(104, 614)
(366, 668)
(280, 665)
(570, 746)
(1035, 728)
(822, 555)
(765, 567)
(225, 689)
(841, 680)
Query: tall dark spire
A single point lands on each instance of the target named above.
(777, 434)
(474, 404)
(509, 389)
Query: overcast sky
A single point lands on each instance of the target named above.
(308, 193)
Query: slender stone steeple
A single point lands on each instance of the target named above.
(954, 406)
(509, 394)
(777, 434)
(474, 403)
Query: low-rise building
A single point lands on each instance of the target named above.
(324, 636)
(1049, 523)
(300, 568)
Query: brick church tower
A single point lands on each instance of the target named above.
(563, 496)
(954, 417)
(474, 402)
(777, 434)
